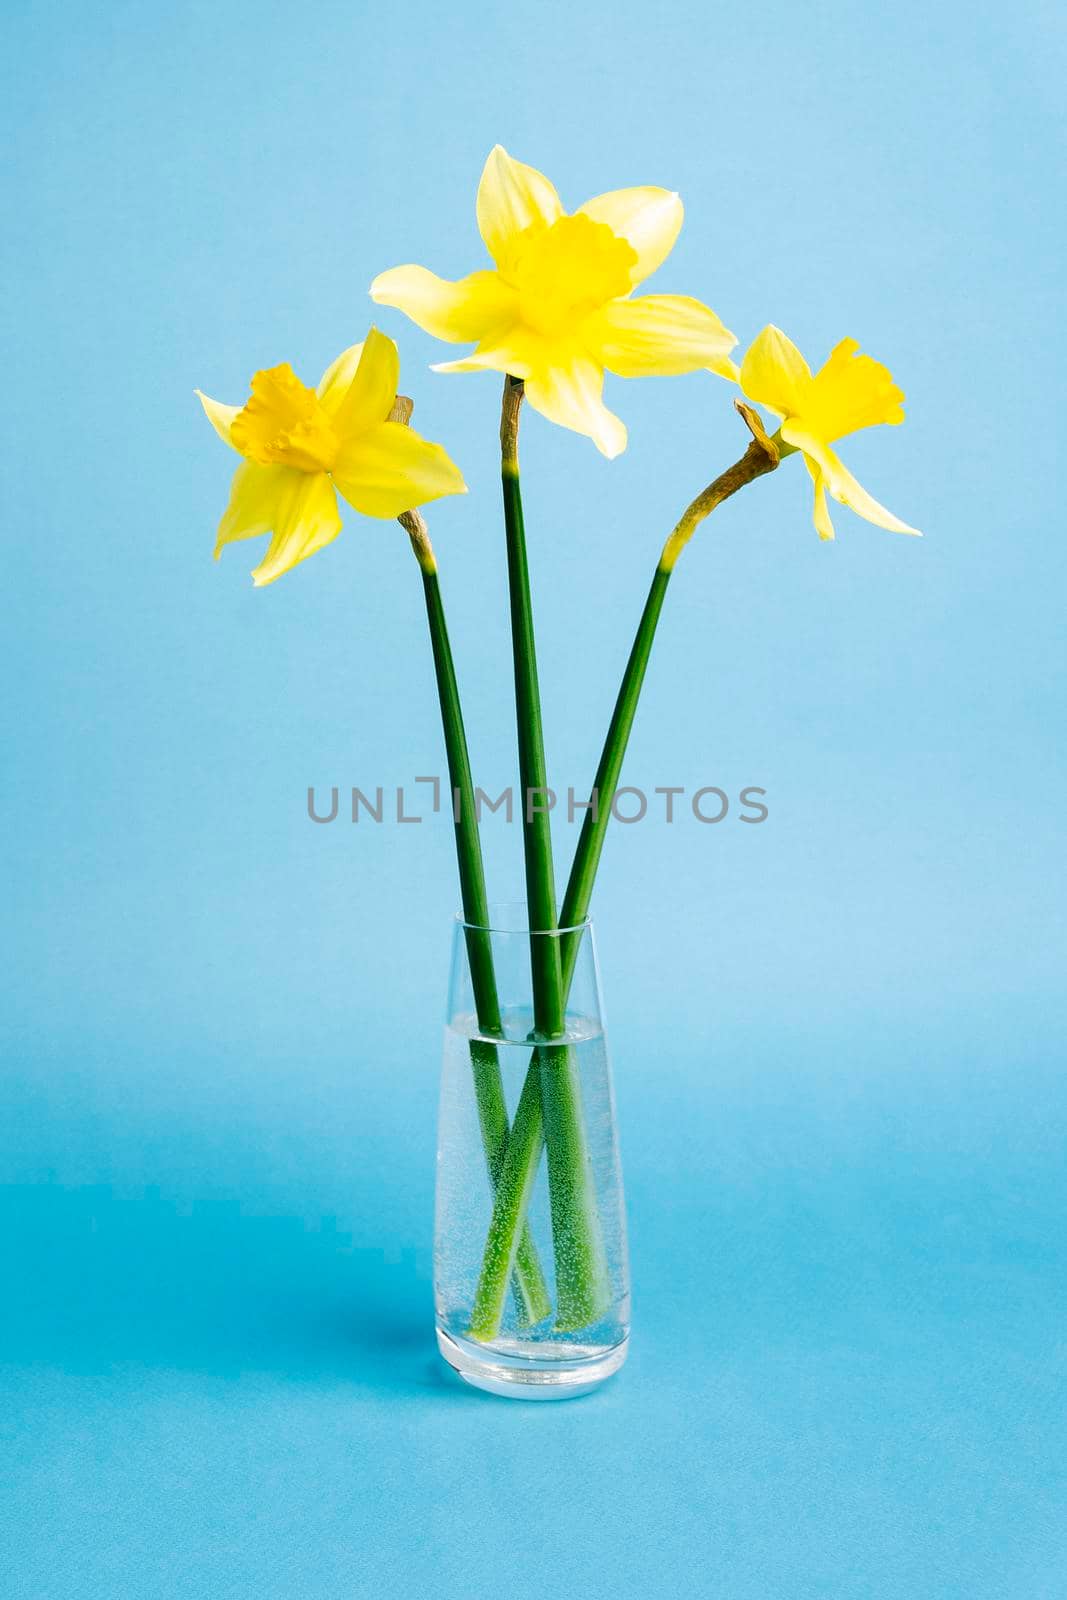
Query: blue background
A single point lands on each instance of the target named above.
(837, 1036)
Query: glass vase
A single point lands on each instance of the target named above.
(531, 1278)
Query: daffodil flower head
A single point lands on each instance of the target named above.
(850, 391)
(302, 446)
(556, 308)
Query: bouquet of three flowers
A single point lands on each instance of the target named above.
(532, 1279)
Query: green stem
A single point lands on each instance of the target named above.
(468, 842)
(528, 1279)
(762, 456)
(582, 1289)
(524, 1147)
(533, 776)
(597, 816)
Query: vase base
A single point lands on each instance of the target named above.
(555, 1372)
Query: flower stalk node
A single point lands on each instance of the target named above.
(760, 457)
(415, 528)
(514, 390)
(754, 423)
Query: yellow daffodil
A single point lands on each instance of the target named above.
(847, 393)
(301, 444)
(556, 310)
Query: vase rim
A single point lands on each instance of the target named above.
(511, 917)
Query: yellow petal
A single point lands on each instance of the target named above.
(369, 397)
(491, 359)
(220, 416)
(511, 198)
(775, 374)
(299, 508)
(648, 219)
(336, 380)
(518, 350)
(306, 518)
(468, 309)
(823, 526)
(661, 333)
(390, 469)
(255, 494)
(569, 392)
(833, 473)
(851, 391)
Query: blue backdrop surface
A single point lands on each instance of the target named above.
(837, 1035)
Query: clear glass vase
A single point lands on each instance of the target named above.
(531, 1278)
